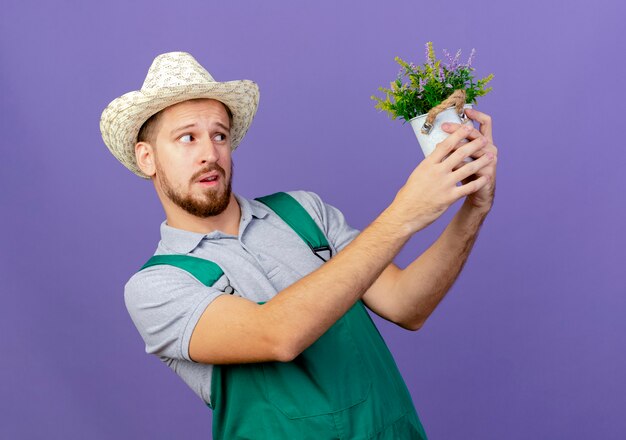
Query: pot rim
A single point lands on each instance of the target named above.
(426, 114)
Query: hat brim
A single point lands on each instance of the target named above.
(122, 119)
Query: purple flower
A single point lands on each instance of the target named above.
(453, 63)
(441, 74)
(471, 57)
(422, 83)
(449, 86)
(456, 58)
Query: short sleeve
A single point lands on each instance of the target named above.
(331, 219)
(165, 304)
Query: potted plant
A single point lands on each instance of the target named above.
(436, 92)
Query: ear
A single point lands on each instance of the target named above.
(144, 155)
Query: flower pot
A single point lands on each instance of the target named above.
(429, 141)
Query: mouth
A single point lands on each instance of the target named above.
(209, 179)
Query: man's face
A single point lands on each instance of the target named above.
(193, 156)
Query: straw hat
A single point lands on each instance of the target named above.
(173, 77)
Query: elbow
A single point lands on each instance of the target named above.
(281, 346)
(285, 346)
(284, 343)
(285, 351)
(414, 321)
(412, 325)
(285, 356)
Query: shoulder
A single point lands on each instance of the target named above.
(331, 219)
(310, 201)
(165, 302)
(317, 207)
(162, 283)
(156, 276)
(321, 212)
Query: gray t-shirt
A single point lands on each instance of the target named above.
(165, 302)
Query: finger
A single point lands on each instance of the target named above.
(466, 150)
(489, 148)
(470, 187)
(472, 167)
(484, 120)
(447, 145)
(462, 164)
(450, 127)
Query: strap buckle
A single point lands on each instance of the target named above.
(324, 253)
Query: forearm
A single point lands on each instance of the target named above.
(422, 285)
(304, 311)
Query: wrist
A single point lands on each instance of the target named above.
(474, 209)
(392, 225)
(402, 224)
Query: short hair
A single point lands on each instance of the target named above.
(147, 132)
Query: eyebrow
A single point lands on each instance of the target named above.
(219, 124)
(176, 130)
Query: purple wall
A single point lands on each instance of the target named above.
(529, 343)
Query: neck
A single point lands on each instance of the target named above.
(227, 221)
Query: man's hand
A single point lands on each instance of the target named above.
(483, 198)
(432, 186)
(409, 296)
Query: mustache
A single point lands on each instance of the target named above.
(215, 167)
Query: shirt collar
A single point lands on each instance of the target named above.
(251, 207)
(183, 242)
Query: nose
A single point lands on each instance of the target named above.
(209, 152)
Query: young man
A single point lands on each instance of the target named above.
(259, 305)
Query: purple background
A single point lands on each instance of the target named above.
(530, 341)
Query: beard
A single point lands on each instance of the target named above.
(211, 202)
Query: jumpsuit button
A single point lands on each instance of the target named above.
(229, 290)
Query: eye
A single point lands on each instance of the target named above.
(186, 138)
(223, 136)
